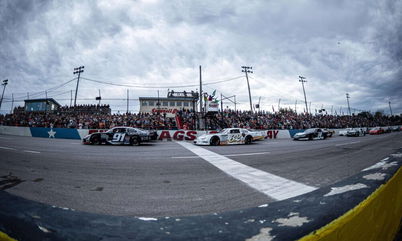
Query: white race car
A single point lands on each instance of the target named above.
(258, 135)
(345, 131)
(356, 132)
(228, 136)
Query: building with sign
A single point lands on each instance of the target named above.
(171, 104)
(38, 105)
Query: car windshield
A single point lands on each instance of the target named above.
(224, 131)
(309, 130)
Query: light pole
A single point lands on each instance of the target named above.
(78, 71)
(347, 99)
(246, 69)
(5, 82)
(303, 80)
(390, 109)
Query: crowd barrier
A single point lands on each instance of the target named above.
(366, 206)
(69, 133)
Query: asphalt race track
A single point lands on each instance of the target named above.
(167, 179)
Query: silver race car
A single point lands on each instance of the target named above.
(228, 136)
(356, 132)
(312, 134)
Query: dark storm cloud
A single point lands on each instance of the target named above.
(340, 46)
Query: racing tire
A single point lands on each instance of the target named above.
(248, 140)
(215, 141)
(135, 141)
(310, 137)
(95, 140)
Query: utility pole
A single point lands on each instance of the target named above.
(127, 102)
(246, 69)
(12, 103)
(310, 107)
(332, 109)
(235, 102)
(221, 104)
(78, 71)
(5, 82)
(228, 98)
(296, 107)
(201, 95)
(99, 97)
(347, 99)
(71, 97)
(279, 104)
(303, 80)
(390, 109)
(28, 95)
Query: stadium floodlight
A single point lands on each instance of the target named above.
(78, 71)
(5, 82)
(246, 69)
(347, 99)
(303, 80)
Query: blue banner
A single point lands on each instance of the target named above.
(64, 133)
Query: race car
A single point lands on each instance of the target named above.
(345, 131)
(258, 135)
(119, 136)
(356, 132)
(312, 134)
(376, 131)
(228, 136)
(330, 133)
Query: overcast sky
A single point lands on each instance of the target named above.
(340, 47)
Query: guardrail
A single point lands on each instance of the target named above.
(366, 206)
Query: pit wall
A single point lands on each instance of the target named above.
(66, 133)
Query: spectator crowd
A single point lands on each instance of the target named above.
(99, 117)
(86, 117)
(287, 119)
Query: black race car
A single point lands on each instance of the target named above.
(120, 136)
(312, 134)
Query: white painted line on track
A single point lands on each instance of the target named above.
(270, 143)
(273, 186)
(7, 148)
(28, 151)
(240, 154)
(349, 143)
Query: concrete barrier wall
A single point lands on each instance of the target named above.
(15, 130)
(68, 133)
(366, 206)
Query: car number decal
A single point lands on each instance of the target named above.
(234, 138)
(118, 137)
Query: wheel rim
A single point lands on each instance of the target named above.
(95, 140)
(134, 141)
